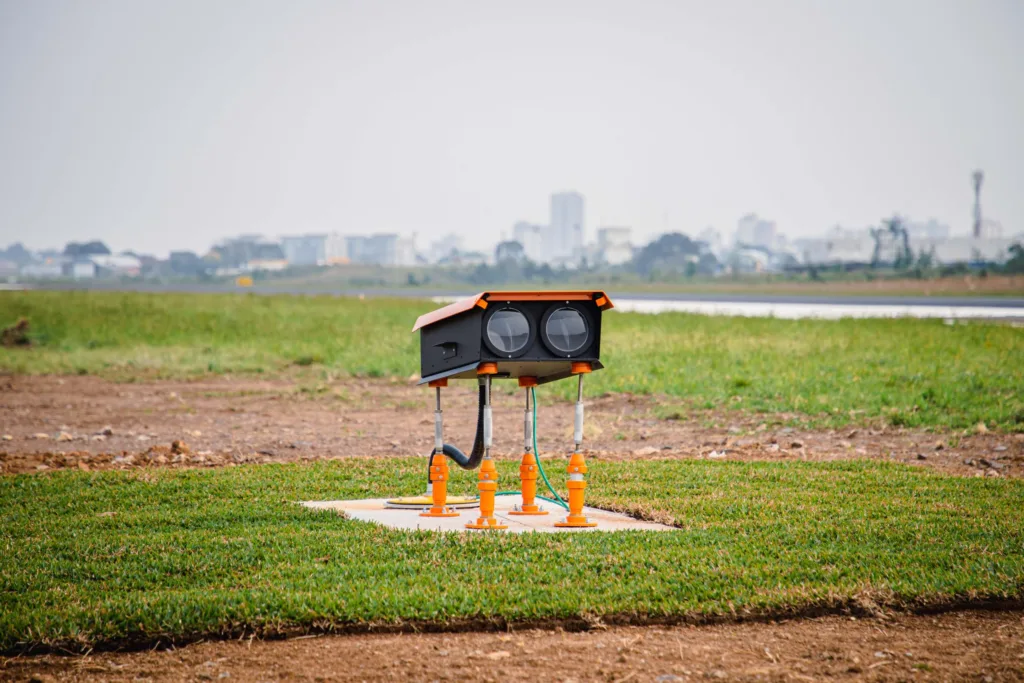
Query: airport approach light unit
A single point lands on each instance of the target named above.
(533, 337)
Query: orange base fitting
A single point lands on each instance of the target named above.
(486, 523)
(528, 476)
(487, 485)
(439, 488)
(577, 468)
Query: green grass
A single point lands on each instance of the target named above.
(175, 335)
(915, 373)
(88, 558)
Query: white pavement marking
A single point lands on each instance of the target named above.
(374, 510)
(794, 311)
(825, 311)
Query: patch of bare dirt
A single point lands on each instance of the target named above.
(16, 334)
(968, 646)
(88, 423)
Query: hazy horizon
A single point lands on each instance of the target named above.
(174, 125)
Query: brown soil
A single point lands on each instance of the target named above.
(953, 285)
(16, 334)
(969, 646)
(88, 423)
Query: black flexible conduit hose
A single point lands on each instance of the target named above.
(472, 461)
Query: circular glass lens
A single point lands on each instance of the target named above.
(508, 330)
(566, 330)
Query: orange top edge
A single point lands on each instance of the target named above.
(462, 305)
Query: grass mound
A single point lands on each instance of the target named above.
(88, 558)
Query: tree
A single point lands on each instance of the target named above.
(17, 253)
(186, 263)
(94, 248)
(669, 253)
(926, 259)
(898, 233)
(1016, 263)
(876, 254)
(509, 251)
(892, 235)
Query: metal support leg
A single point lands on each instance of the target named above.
(528, 468)
(577, 468)
(488, 480)
(438, 488)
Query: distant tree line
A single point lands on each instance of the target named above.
(670, 255)
(674, 254)
(80, 249)
(892, 239)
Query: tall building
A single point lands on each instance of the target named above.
(405, 251)
(613, 245)
(386, 249)
(714, 241)
(927, 230)
(236, 252)
(444, 247)
(752, 231)
(531, 236)
(564, 241)
(314, 250)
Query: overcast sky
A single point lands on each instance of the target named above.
(157, 125)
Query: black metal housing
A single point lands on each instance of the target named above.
(455, 346)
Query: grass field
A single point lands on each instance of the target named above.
(89, 557)
(905, 372)
(871, 283)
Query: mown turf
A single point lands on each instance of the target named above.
(87, 558)
(905, 372)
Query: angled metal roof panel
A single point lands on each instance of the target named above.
(481, 299)
(460, 306)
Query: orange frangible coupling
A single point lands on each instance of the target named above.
(487, 486)
(528, 477)
(439, 488)
(528, 468)
(577, 468)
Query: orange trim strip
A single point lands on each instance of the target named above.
(540, 296)
(481, 299)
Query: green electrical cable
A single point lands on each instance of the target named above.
(536, 453)
(557, 500)
(516, 493)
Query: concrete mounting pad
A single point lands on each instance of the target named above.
(374, 510)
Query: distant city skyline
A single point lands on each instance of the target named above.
(756, 246)
(165, 126)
